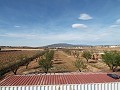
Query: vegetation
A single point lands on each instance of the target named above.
(14, 68)
(79, 64)
(46, 62)
(18, 61)
(112, 59)
(77, 54)
(67, 51)
(49, 55)
(5, 57)
(87, 55)
(70, 52)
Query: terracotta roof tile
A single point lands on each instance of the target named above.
(53, 79)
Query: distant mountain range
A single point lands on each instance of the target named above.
(55, 45)
(64, 45)
(47, 46)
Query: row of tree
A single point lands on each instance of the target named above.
(22, 60)
(46, 62)
(111, 58)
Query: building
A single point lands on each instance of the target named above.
(72, 81)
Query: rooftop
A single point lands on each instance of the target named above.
(57, 79)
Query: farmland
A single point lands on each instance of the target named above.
(8, 57)
(63, 61)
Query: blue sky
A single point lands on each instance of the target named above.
(43, 22)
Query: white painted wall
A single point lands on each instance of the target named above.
(94, 86)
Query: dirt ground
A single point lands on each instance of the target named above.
(63, 62)
(66, 61)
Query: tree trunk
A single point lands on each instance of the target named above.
(27, 65)
(79, 70)
(15, 71)
(114, 69)
(46, 71)
(109, 66)
(87, 60)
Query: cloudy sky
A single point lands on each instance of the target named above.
(43, 22)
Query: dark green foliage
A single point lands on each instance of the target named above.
(112, 59)
(46, 62)
(14, 68)
(79, 64)
(87, 55)
(49, 55)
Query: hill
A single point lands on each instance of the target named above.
(65, 45)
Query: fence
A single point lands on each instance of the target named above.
(93, 86)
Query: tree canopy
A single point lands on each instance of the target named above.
(79, 64)
(112, 59)
(87, 55)
(46, 62)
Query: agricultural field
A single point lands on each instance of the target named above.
(10, 57)
(63, 62)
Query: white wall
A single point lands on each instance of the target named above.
(95, 86)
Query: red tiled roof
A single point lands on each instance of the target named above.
(22, 80)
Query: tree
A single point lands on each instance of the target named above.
(87, 55)
(13, 65)
(79, 64)
(23, 57)
(112, 59)
(46, 63)
(49, 55)
(14, 68)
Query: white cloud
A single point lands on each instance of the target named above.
(16, 26)
(79, 26)
(18, 35)
(114, 26)
(68, 36)
(118, 21)
(85, 16)
(76, 36)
